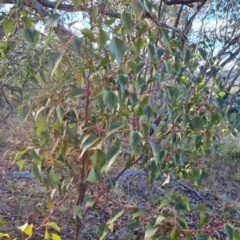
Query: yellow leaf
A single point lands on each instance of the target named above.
(80, 78)
(50, 205)
(47, 235)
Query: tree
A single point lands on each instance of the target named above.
(129, 88)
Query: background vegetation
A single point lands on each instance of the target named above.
(114, 89)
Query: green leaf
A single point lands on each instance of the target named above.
(156, 153)
(229, 229)
(77, 211)
(92, 177)
(37, 171)
(135, 139)
(118, 48)
(116, 214)
(150, 231)
(137, 9)
(174, 234)
(77, 42)
(110, 98)
(52, 225)
(3, 48)
(138, 212)
(151, 52)
(201, 208)
(159, 52)
(53, 61)
(126, 20)
(102, 39)
(30, 35)
(60, 113)
(103, 230)
(52, 20)
(77, 3)
(203, 53)
(52, 176)
(186, 202)
(197, 123)
(77, 92)
(170, 112)
(203, 219)
(214, 71)
(90, 201)
(88, 33)
(21, 164)
(89, 142)
(8, 26)
(147, 110)
(122, 80)
(113, 128)
(112, 154)
(188, 57)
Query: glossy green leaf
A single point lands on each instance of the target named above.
(112, 154)
(30, 35)
(53, 176)
(52, 225)
(60, 113)
(135, 140)
(151, 53)
(126, 20)
(156, 152)
(214, 71)
(174, 234)
(37, 171)
(229, 229)
(103, 230)
(102, 39)
(88, 33)
(110, 98)
(53, 61)
(52, 20)
(159, 53)
(150, 231)
(92, 177)
(113, 128)
(116, 214)
(91, 201)
(77, 92)
(118, 48)
(147, 110)
(77, 211)
(188, 57)
(21, 164)
(77, 43)
(8, 26)
(203, 219)
(138, 212)
(137, 9)
(203, 53)
(89, 142)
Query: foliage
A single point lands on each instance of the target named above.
(122, 86)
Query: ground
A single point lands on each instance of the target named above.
(23, 199)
